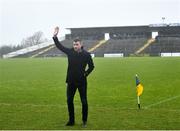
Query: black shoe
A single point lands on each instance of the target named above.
(84, 124)
(70, 123)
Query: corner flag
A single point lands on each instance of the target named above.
(139, 86)
(139, 90)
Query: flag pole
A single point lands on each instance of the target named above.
(138, 100)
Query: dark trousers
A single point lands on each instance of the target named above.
(71, 90)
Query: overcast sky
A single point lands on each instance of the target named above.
(21, 18)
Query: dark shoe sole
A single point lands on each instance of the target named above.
(70, 124)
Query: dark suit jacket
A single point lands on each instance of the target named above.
(77, 62)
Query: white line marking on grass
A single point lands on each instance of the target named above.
(63, 106)
(163, 101)
(33, 105)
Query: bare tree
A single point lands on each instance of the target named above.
(35, 39)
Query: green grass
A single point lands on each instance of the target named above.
(33, 94)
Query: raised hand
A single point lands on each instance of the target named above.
(56, 31)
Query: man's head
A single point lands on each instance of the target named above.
(77, 44)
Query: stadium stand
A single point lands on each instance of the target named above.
(148, 43)
(164, 45)
(30, 54)
(125, 46)
(27, 50)
(87, 44)
(122, 41)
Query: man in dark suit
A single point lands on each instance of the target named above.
(77, 74)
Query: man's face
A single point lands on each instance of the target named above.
(77, 45)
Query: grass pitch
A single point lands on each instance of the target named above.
(33, 94)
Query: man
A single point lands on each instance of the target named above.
(78, 59)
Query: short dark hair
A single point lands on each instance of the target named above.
(77, 39)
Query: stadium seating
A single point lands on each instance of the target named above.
(128, 41)
(87, 44)
(164, 44)
(125, 46)
(31, 53)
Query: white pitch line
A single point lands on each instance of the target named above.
(163, 101)
(33, 105)
(61, 106)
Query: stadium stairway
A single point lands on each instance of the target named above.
(101, 42)
(43, 51)
(148, 43)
